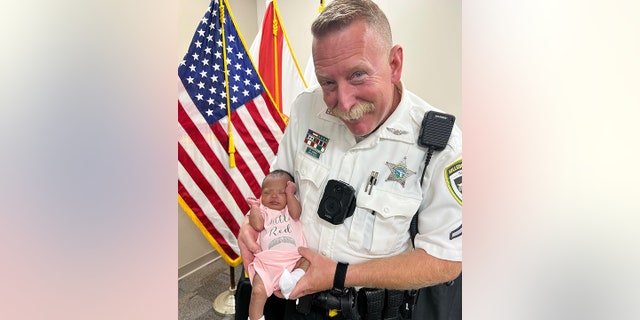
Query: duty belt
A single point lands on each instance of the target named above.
(365, 304)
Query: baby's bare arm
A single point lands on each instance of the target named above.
(255, 215)
(295, 209)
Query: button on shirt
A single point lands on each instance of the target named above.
(317, 147)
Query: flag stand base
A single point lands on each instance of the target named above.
(225, 303)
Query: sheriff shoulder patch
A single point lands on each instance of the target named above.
(453, 177)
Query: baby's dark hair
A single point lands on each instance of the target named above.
(280, 173)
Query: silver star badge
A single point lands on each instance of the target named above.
(399, 172)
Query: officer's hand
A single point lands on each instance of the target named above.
(302, 264)
(247, 241)
(318, 277)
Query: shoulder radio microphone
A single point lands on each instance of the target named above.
(436, 130)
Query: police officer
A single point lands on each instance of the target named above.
(360, 128)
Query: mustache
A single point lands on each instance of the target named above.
(357, 111)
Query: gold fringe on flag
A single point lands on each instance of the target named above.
(232, 147)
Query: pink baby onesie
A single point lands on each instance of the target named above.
(279, 241)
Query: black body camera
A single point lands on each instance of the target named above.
(338, 202)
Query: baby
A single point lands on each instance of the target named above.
(277, 217)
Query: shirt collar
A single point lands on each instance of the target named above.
(400, 125)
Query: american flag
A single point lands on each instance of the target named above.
(228, 131)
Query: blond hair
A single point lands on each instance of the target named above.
(340, 14)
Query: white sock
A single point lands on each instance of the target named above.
(288, 281)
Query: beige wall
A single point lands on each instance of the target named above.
(429, 31)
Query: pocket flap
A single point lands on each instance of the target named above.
(311, 171)
(387, 203)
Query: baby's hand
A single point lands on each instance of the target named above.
(252, 201)
(291, 187)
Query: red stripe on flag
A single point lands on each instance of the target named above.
(206, 223)
(247, 137)
(241, 164)
(218, 166)
(263, 130)
(208, 190)
(275, 116)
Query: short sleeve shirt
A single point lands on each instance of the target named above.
(317, 147)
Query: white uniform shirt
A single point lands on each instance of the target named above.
(317, 147)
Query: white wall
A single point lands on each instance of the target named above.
(429, 31)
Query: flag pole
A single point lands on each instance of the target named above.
(225, 303)
(232, 277)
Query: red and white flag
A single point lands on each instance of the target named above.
(228, 131)
(278, 67)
